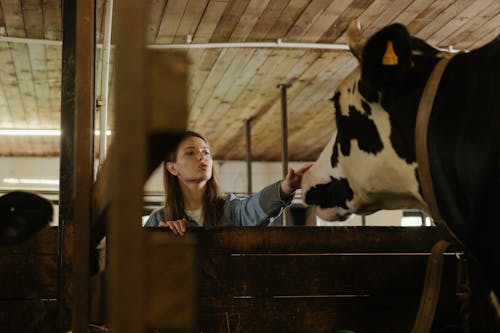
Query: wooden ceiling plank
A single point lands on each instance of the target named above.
(427, 16)
(13, 16)
(335, 30)
(10, 86)
(41, 85)
(248, 20)
(190, 20)
(324, 75)
(458, 21)
(261, 88)
(247, 72)
(53, 64)
(22, 67)
(209, 21)
(154, 14)
(485, 34)
(443, 18)
(214, 77)
(309, 15)
(33, 18)
(220, 100)
(472, 24)
(378, 15)
(287, 19)
(228, 21)
(325, 19)
(272, 103)
(52, 19)
(2, 20)
(99, 19)
(6, 119)
(266, 20)
(294, 65)
(170, 21)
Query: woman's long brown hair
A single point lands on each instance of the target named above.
(213, 202)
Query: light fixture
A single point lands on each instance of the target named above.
(31, 181)
(37, 132)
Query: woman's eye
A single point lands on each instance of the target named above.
(206, 152)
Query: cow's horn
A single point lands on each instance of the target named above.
(356, 39)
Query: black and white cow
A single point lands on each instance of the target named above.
(370, 164)
(22, 215)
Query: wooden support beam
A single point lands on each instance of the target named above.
(84, 160)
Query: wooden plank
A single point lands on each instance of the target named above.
(427, 16)
(190, 20)
(84, 161)
(320, 274)
(266, 20)
(155, 10)
(286, 20)
(228, 21)
(338, 26)
(459, 20)
(486, 33)
(300, 239)
(53, 64)
(33, 18)
(473, 24)
(10, 86)
(171, 291)
(248, 20)
(359, 314)
(209, 21)
(306, 19)
(320, 25)
(172, 15)
(445, 16)
(13, 16)
(28, 316)
(52, 19)
(41, 84)
(28, 276)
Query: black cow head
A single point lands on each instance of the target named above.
(22, 214)
(369, 163)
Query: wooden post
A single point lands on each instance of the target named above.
(76, 163)
(128, 164)
(84, 160)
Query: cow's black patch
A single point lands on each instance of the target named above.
(22, 215)
(366, 107)
(368, 92)
(336, 193)
(334, 160)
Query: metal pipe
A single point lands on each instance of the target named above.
(248, 128)
(284, 128)
(104, 94)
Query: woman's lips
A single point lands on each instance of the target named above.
(203, 166)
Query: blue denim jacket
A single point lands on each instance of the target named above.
(257, 209)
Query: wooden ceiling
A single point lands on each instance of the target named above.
(229, 85)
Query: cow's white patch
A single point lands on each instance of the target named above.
(378, 181)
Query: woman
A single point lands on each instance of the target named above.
(192, 196)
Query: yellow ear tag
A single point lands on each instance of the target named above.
(390, 58)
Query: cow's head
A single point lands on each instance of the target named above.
(369, 163)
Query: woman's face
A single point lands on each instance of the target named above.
(193, 161)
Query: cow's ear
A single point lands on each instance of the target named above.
(386, 57)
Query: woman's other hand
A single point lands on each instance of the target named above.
(292, 181)
(178, 227)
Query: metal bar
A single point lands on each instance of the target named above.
(248, 127)
(103, 96)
